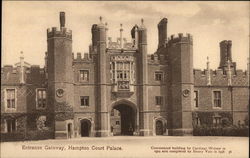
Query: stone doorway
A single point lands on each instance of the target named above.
(123, 120)
(159, 128)
(85, 128)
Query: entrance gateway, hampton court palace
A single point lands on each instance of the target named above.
(119, 89)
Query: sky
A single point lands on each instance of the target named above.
(24, 26)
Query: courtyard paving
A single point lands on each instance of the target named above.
(130, 146)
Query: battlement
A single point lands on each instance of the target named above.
(183, 39)
(56, 32)
(156, 59)
(79, 58)
(220, 78)
(16, 69)
(11, 75)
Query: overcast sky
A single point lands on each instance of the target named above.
(25, 23)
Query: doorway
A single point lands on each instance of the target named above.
(159, 127)
(85, 128)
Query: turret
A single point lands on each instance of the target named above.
(94, 32)
(162, 32)
(102, 128)
(60, 76)
(181, 83)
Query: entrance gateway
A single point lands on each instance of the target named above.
(123, 120)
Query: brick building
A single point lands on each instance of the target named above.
(119, 89)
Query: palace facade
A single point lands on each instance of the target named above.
(119, 89)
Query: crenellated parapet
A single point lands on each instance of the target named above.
(157, 59)
(12, 74)
(220, 78)
(180, 39)
(56, 32)
(79, 59)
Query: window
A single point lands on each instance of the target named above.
(216, 121)
(11, 98)
(84, 101)
(217, 99)
(158, 76)
(117, 122)
(158, 100)
(197, 121)
(41, 98)
(196, 103)
(84, 75)
(11, 125)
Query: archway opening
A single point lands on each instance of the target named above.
(159, 128)
(123, 120)
(85, 128)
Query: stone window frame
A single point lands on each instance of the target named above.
(161, 100)
(6, 126)
(217, 120)
(117, 123)
(37, 89)
(88, 75)
(221, 101)
(198, 100)
(162, 75)
(5, 98)
(84, 106)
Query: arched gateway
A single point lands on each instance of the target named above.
(123, 118)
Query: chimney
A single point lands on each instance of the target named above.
(62, 19)
(121, 41)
